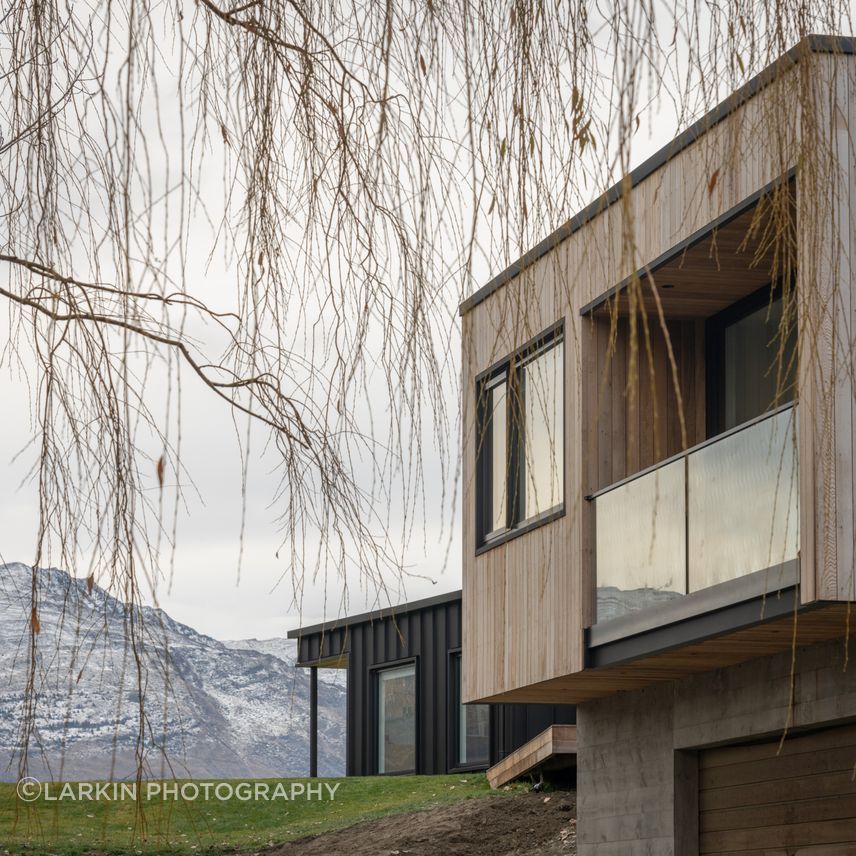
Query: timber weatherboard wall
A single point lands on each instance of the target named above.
(527, 602)
(427, 632)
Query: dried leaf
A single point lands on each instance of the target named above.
(712, 183)
(34, 620)
(90, 582)
(224, 134)
(160, 468)
(422, 64)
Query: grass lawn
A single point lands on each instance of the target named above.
(69, 826)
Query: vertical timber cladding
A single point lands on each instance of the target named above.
(528, 601)
(826, 208)
(639, 430)
(800, 799)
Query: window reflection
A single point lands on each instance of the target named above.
(641, 542)
(474, 735)
(543, 449)
(473, 725)
(396, 689)
(499, 456)
(753, 358)
(743, 502)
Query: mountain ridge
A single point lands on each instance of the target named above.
(209, 708)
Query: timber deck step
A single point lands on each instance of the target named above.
(554, 747)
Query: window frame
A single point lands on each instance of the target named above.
(509, 371)
(453, 694)
(374, 683)
(714, 347)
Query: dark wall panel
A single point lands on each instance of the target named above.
(429, 636)
(423, 636)
(318, 646)
(513, 724)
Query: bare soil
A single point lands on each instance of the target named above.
(510, 825)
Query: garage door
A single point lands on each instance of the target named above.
(797, 802)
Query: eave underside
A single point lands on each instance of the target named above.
(817, 622)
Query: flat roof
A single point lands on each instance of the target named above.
(376, 615)
(811, 43)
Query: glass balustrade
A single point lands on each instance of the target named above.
(641, 542)
(726, 509)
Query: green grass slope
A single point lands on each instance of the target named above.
(160, 824)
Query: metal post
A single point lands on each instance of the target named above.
(313, 722)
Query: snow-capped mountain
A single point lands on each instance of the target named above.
(286, 649)
(209, 709)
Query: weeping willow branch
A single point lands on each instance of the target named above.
(288, 198)
(264, 384)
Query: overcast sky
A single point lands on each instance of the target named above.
(205, 591)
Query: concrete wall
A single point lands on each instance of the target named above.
(636, 762)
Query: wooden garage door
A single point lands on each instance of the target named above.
(800, 801)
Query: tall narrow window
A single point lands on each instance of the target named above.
(521, 443)
(498, 434)
(396, 719)
(543, 459)
(471, 725)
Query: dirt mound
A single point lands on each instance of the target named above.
(500, 826)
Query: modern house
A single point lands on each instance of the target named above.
(404, 707)
(659, 429)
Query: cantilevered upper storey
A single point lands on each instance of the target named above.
(659, 409)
